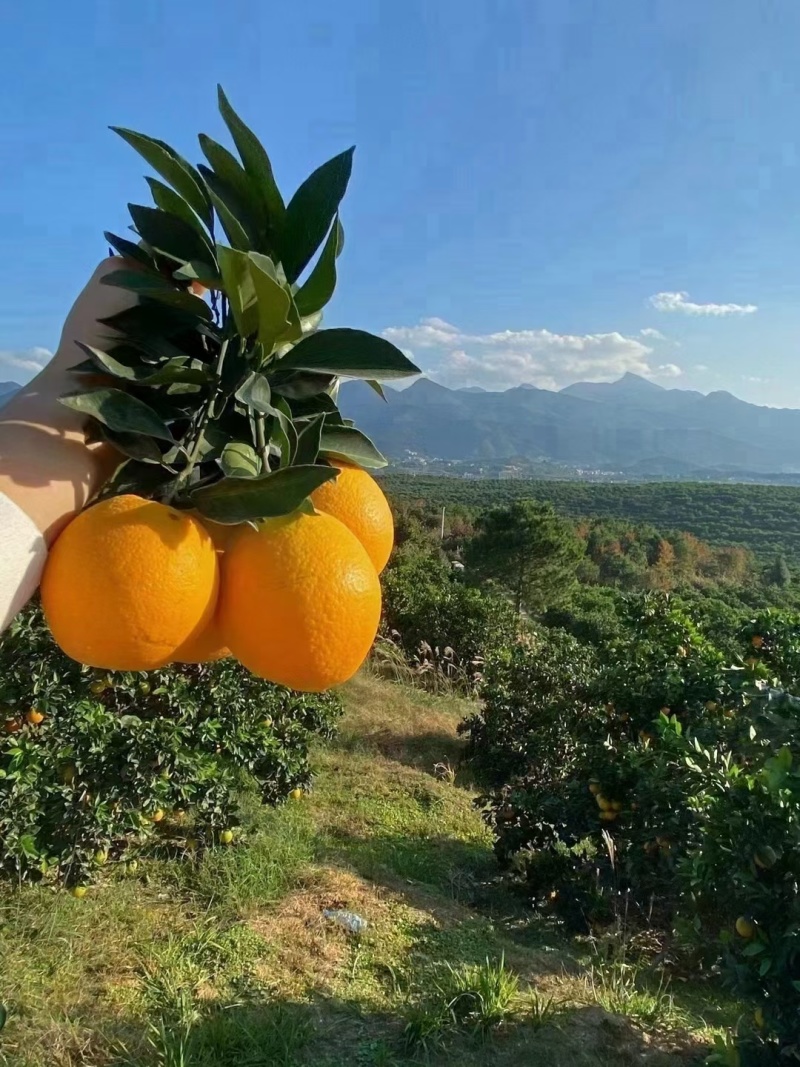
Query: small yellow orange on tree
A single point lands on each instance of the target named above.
(157, 815)
(11, 726)
(226, 837)
(300, 601)
(128, 582)
(607, 815)
(594, 788)
(356, 499)
(745, 927)
(34, 716)
(296, 794)
(79, 891)
(757, 641)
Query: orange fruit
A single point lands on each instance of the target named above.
(128, 582)
(34, 716)
(11, 726)
(208, 646)
(204, 647)
(745, 927)
(300, 601)
(356, 499)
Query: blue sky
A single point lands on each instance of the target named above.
(530, 174)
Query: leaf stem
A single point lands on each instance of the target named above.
(261, 442)
(206, 413)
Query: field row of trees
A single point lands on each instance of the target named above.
(764, 518)
(636, 736)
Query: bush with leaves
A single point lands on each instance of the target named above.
(425, 602)
(94, 764)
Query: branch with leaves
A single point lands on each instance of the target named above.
(218, 387)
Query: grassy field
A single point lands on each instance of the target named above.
(228, 959)
(765, 518)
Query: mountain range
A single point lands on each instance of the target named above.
(632, 425)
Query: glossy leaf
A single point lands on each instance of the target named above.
(352, 353)
(230, 171)
(128, 249)
(239, 459)
(308, 440)
(168, 200)
(311, 211)
(196, 271)
(376, 387)
(151, 322)
(133, 445)
(346, 442)
(170, 235)
(256, 395)
(256, 162)
(239, 229)
(318, 288)
(119, 411)
(235, 500)
(239, 288)
(180, 174)
(156, 287)
(272, 298)
(301, 384)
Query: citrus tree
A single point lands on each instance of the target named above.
(217, 388)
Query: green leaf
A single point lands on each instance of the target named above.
(240, 460)
(129, 250)
(311, 211)
(3, 1015)
(318, 288)
(133, 445)
(308, 439)
(256, 162)
(229, 170)
(119, 411)
(180, 174)
(300, 384)
(256, 395)
(346, 442)
(239, 288)
(376, 387)
(170, 235)
(273, 300)
(156, 287)
(352, 353)
(151, 322)
(195, 271)
(168, 200)
(235, 500)
(232, 214)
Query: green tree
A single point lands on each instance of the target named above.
(779, 573)
(528, 549)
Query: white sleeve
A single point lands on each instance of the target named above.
(22, 556)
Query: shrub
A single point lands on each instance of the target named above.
(118, 757)
(426, 604)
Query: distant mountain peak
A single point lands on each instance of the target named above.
(629, 380)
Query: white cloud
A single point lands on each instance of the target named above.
(653, 335)
(681, 302)
(755, 380)
(507, 358)
(668, 370)
(30, 360)
(701, 368)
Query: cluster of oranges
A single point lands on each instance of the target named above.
(132, 584)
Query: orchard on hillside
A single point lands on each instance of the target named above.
(241, 519)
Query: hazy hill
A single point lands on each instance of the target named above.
(630, 425)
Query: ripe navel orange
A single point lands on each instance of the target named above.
(207, 646)
(128, 582)
(356, 499)
(300, 601)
